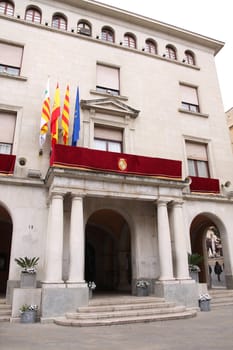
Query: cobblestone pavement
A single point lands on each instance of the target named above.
(209, 330)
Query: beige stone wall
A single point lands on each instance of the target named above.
(147, 83)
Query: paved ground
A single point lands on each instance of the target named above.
(209, 330)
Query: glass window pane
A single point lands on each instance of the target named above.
(100, 145)
(114, 146)
(202, 169)
(191, 167)
(5, 148)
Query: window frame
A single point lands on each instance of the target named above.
(36, 13)
(108, 141)
(9, 8)
(171, 52)
(151, 46)
(195, 163)
(130, 41)
(188, 105)
(84, 27)
(61, 20)
(8, 138)
(190, 57)
(107, 34)
(108, 89)
(10, 68)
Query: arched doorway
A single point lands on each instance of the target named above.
(5, 248)
(206, 241)
(108, 252)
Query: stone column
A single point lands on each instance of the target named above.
(164, 241)
(54, 248)
(181, 253)
(77, 242)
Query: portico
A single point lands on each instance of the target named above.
(152, 209)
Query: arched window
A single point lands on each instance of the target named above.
(84, 28)
(33, 14)
(151, 46)
(107, 34)
(59, 22)
(189, 57)
(130, 40)
(7, 8)
(171, 52)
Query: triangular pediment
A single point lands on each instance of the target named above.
(109, 105)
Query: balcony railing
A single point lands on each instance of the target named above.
(204, 185)
(128, 164)
(7, 164)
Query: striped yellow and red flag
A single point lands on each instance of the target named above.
(45, 116)
(55, 116)
(66, 116)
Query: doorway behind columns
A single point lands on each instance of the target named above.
(108, 252)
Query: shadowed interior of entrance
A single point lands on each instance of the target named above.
(5, 247)
(108, 251)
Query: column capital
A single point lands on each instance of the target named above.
(177, 203)
(77, 195)
(162, 201)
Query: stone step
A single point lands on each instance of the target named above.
(125, 313)
(221, 297)
(63, 321)
(5, 311)
(5, 318)
(96, 301)
(124, 307)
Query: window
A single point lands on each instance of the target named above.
(171, 52)
(33, 15)
(108, 139)
(130, 41)
(84, 28)
(151, 46)
(107, 34)
(197, 159)
(189, 99)
(189, 57)
(59, 22)
(6, 8)
(7, 130)
(10, 59)
(107, 79)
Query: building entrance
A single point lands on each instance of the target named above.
(5, 247)
(108, 251)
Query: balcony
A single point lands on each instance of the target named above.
(121, 163)
(7, 164)
(204, 185)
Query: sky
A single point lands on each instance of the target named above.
(206, 17)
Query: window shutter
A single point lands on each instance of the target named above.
(197, 151)
(10, 55)
(7, 127)
(108, 134)
(189, 94)
(108, 77)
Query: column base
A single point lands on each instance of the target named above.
(58, 301)
(71, 284)
(53, 284)
(182, 292)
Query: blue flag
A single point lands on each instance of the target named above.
(76, 127)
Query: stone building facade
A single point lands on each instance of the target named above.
(148, 175)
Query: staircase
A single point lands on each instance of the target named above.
(124, 310)
(221, 297)
(5, 311)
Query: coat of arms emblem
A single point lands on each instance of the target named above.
(122, 164)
